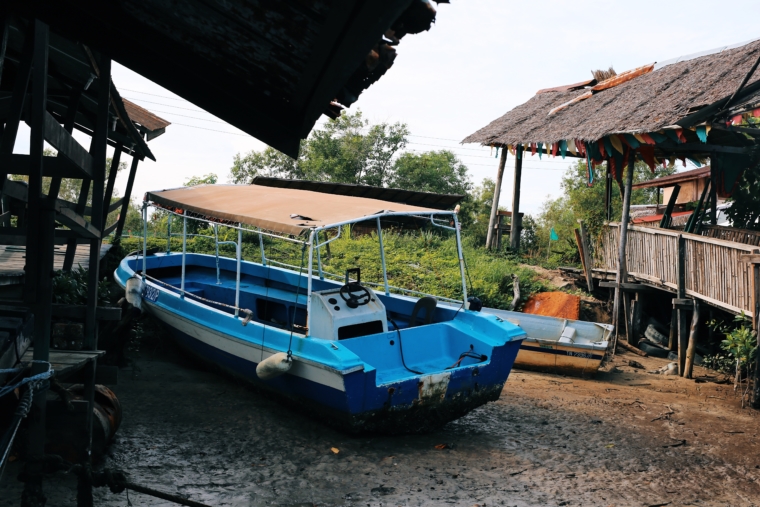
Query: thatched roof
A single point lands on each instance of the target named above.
(647, 103)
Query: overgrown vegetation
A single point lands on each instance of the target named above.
(70, 288)
(580, 202)
(740, 346)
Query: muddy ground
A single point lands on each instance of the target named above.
(624, 438)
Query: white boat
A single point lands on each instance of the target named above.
(554, 345)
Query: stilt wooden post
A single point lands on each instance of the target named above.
(39, 264)
(691, 349)
(495, 204)
(682, 327)
(713, 196)
(622, 269)
(586, 253)
(608, 193)
(516, 227)
(755, 399)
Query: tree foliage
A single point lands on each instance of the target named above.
(581, 202)
(434, 171)
(206, 179)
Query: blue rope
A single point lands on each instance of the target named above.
(34, 379)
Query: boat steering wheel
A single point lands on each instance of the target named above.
(352, 300)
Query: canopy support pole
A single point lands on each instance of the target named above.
(516, 226)
(319, 260)
(495, 203)
(239, 259)
(216, 247)
(382, 257)
(184, 252)
(169, 234)
(145, 238)
(308, 284)
(622, 268)
(261, 247)
(461, 261)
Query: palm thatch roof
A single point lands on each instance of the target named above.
(673, 93)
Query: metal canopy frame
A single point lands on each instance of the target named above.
(312, 242)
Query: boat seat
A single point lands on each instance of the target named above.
(428, 303)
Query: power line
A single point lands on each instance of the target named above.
(155, 95)
(211, 130)
(167, 105)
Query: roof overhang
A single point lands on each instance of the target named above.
(270, 68)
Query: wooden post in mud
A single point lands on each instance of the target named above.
(622, 274)
(495, 203)
(755, 398)
(516, 225)
(682, 327)
(692, 341)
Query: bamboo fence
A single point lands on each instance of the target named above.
(714, 273)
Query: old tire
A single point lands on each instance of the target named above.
(654, 335)
(652, 350)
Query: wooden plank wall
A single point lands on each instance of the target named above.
(714, 273)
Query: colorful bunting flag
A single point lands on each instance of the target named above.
(702, 133)
(616, 143)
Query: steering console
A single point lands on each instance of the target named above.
(347, 292)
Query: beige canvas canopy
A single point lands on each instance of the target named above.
(281, 210)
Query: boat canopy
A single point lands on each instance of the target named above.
(280, 210)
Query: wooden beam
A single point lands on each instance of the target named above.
(514, 234)
(75, 222)
(495, 201)
(702, 148)
(755, 399)
(98, 181)
(587, 262)
(68, 126)
(111, 182)
(5, 27)
(692, 345)
(622, 271)
(53, 167)
(18, 97)
(631, 287)
(66, 145)
(126, 199)
(38, 289)
(666, 217)
(753, 258)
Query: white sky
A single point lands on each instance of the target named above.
(480, 59)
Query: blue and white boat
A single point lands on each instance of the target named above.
(384, 359)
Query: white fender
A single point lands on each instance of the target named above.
(273, 366)
(133, 290)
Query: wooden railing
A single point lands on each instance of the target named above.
(712, 269)
(745, 236)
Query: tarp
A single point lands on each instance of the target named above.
(281, 210)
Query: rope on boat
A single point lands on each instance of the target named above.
(295, 308)
(248, 313)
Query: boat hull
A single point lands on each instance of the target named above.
(354, 396)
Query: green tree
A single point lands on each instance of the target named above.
(581, 202)
(744, 212)
(433, 171)
(345, 150)
(206, 179)
(269, 163)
